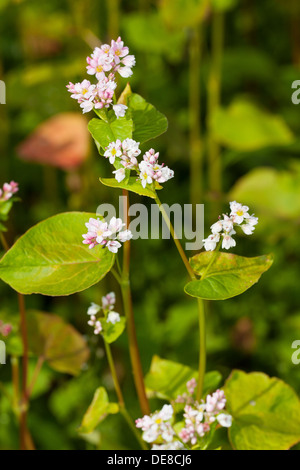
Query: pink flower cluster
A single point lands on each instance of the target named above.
(5, 328)
(113, 58)
(8, 190)
(148, 170)
(151, 171)
(106, 310)
(126, 152)
(159, 428)
(187, 397)
(199, 417)
(104, 62)
(93, 96)
(224, 228)
(108, 235)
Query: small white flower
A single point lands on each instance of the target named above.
(113, 317)
(125, 72)
(108, 301)
(150, 435)
(217, 227)
(115, 225)
(227, 224)
(251, 220)
(119, 174)
(238, 212)
(247, 229)
(120, 110)
(174, 445)
(125, 236)
(210, 242)
(113, 151)
(113, 246)
(87, 106)
(93, 309)
(131, 147)
(98, 328)
(225, 420)
(166, 412)
(146, 173)
(228, 242)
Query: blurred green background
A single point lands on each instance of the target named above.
(224, 80)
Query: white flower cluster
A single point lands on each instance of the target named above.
(199, 419)
(224, 228)
(124, 156)
(106, 310)
(104, 62)
(110, 235)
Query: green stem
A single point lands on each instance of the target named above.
(176, 240)
(114, 374)
(35, 376)
(130, 423)
(4, 242)
(116, 275)
(202, 350)
(113, 18)
(24, 405)
(196, 150)
(201, 313)
(24, 434)
(214, 91)
(118, 390)
(16, 383)
(128, 308)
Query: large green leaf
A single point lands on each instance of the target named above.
(51, 259)
(148, 122)
(58, 343)
(167, 379)
(105, 132)
(244, 126)
(97, 411)
(133, 185)
(230, 275)
(266, 412)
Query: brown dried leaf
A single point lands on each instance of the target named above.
(61, 141)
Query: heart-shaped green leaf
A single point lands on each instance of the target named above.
(230, 275)
(56, 342)
(111, 332)
(167, 379)
(265, 411)
(148, 122)
(133, 185)
(97, 411)
(51, 259)
(105, 132)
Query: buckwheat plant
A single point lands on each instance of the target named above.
(57, 257)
